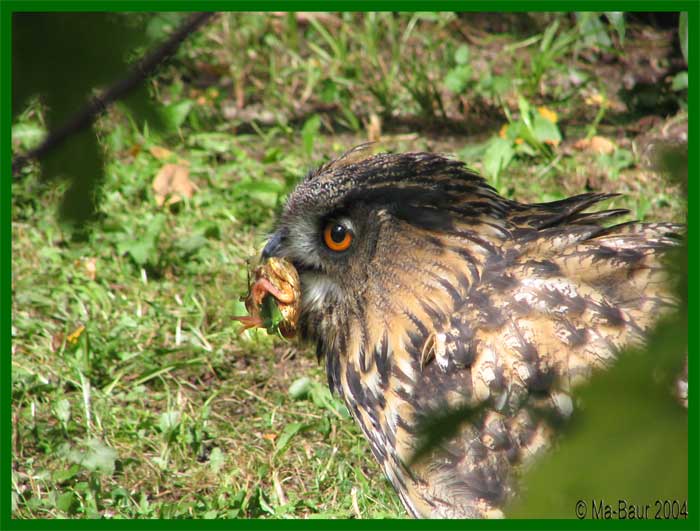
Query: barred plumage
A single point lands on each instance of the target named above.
(452, 296)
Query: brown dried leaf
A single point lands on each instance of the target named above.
(596, 144)
(89, 265)
(172, 184)
(161, 153)
(134, 150)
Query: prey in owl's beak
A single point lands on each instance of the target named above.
(274, 298)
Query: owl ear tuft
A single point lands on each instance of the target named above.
(351, 156)
(356, 154)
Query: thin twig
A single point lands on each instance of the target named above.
(97, 105)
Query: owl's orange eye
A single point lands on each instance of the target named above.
(337, 237)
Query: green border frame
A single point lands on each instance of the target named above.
(7, 7)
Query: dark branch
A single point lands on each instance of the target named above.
(97, 105)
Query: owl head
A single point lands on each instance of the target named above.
(371, 239)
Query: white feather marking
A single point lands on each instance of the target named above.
(373, 383)
(531, 289)
(317, 291)
(440, 355)
(563, 403)
(392, 416)
(404, 363)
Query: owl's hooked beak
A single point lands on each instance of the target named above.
(273, 246)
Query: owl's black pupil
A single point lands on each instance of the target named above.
(338, 233)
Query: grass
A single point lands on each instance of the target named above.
(134, 395)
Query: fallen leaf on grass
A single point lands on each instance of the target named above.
(89, 265)
(596, 144)
(134, 150)
(548, 114)
(596, 99)
(75, 334)
(160, 153)
(172, 184)
(165, 154)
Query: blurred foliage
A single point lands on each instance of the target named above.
(683, 34)
(680, 80)
(61, 59)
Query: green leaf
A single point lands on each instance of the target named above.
(458, 78)
(216, 459)
(497, 157)
(525, 112)
(161, 25)
(472, 152)
(428, 16)
(27, 135)
(190, 245)
(59, 476)
(120, 492)
(544, 130)
(61, 410)
(300, 388)
(266, 191)
(97, 457)
(144, 249)
(617, 21)
(622, 158)
(329, 91)
(289, 431)
(500, 84)
(592, 30)
(176, 113)
(214, 142)
(66, 501)
(143, 111)
(321, 396)
(141, 251)
(169, 422)
(62, 58)
(680, 81)
(84, 172)
(309, 131)
(462, 55)
(548, 36)
(683, 34)
(270, 314)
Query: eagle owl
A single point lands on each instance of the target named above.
(425, 291)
